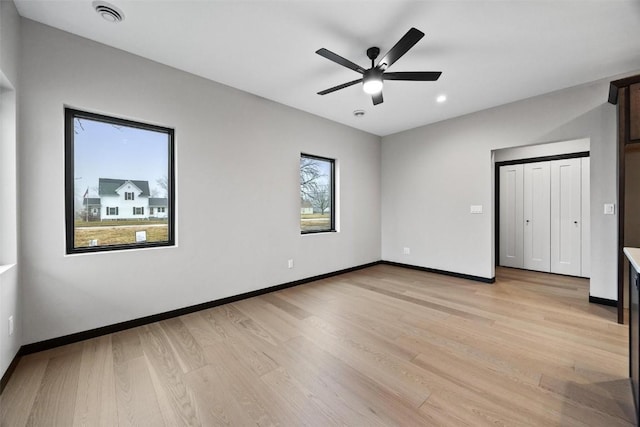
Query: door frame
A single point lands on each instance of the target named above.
(619, 95)
(496, 236)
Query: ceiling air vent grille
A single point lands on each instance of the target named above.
(108, 11)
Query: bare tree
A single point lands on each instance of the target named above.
(78, 126)
(320, 198)
(163, 183)
(309, 175)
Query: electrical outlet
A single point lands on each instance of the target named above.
(10, 325)
(407, 251)
(609, 209)
(290, 263)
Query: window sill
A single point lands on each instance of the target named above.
(315, 233)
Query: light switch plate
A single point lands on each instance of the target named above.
(476, 209)
(609, 208)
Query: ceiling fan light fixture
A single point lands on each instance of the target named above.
(373, 78)
(372, 82)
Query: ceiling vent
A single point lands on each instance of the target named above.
(108, 12)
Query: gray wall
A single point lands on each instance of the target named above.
(431, 175)
(237, 186)
(238, 198)
(10, 304)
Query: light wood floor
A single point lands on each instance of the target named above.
(380, 346)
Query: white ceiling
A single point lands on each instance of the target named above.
(490, 52)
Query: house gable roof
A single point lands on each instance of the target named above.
(128, 183)
(158, 201)
(109, 186)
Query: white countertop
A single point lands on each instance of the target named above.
(633, 254)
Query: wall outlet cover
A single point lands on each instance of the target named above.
(609, 209)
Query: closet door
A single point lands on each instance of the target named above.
(566, 221)
(511, 216)
(537, 216)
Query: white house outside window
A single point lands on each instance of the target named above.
(118, 183)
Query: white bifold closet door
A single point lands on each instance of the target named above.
(511, 216)
(566, 217)
(537, 216)
(544, 216)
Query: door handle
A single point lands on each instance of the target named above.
(575, 222)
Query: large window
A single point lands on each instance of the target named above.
(115, 169)
(317, 190)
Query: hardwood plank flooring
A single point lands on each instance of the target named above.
(379, 346)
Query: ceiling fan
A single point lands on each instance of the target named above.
(373, 77)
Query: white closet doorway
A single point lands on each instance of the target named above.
(543, 216)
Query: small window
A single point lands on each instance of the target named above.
(109, 211)
(317, 190)
(108, 163)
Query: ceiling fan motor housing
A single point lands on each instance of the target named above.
(373, 52)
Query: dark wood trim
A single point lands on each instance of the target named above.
(627, 116)
(9, 371)
(577, 155)
(109, 329)
(443, 272)
(621, 204)
(615, 85)
(104, 330)
(603, 301)
(613, 94)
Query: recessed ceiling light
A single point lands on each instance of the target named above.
(108, 12)
(358, 113)
(441, 98)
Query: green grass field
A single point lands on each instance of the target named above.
(111, 223)
(111, 234)
(315, 222)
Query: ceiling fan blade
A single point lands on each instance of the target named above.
(340, 60)
(377, 98)
(342, 86)
(404, 44)
(418, 76)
